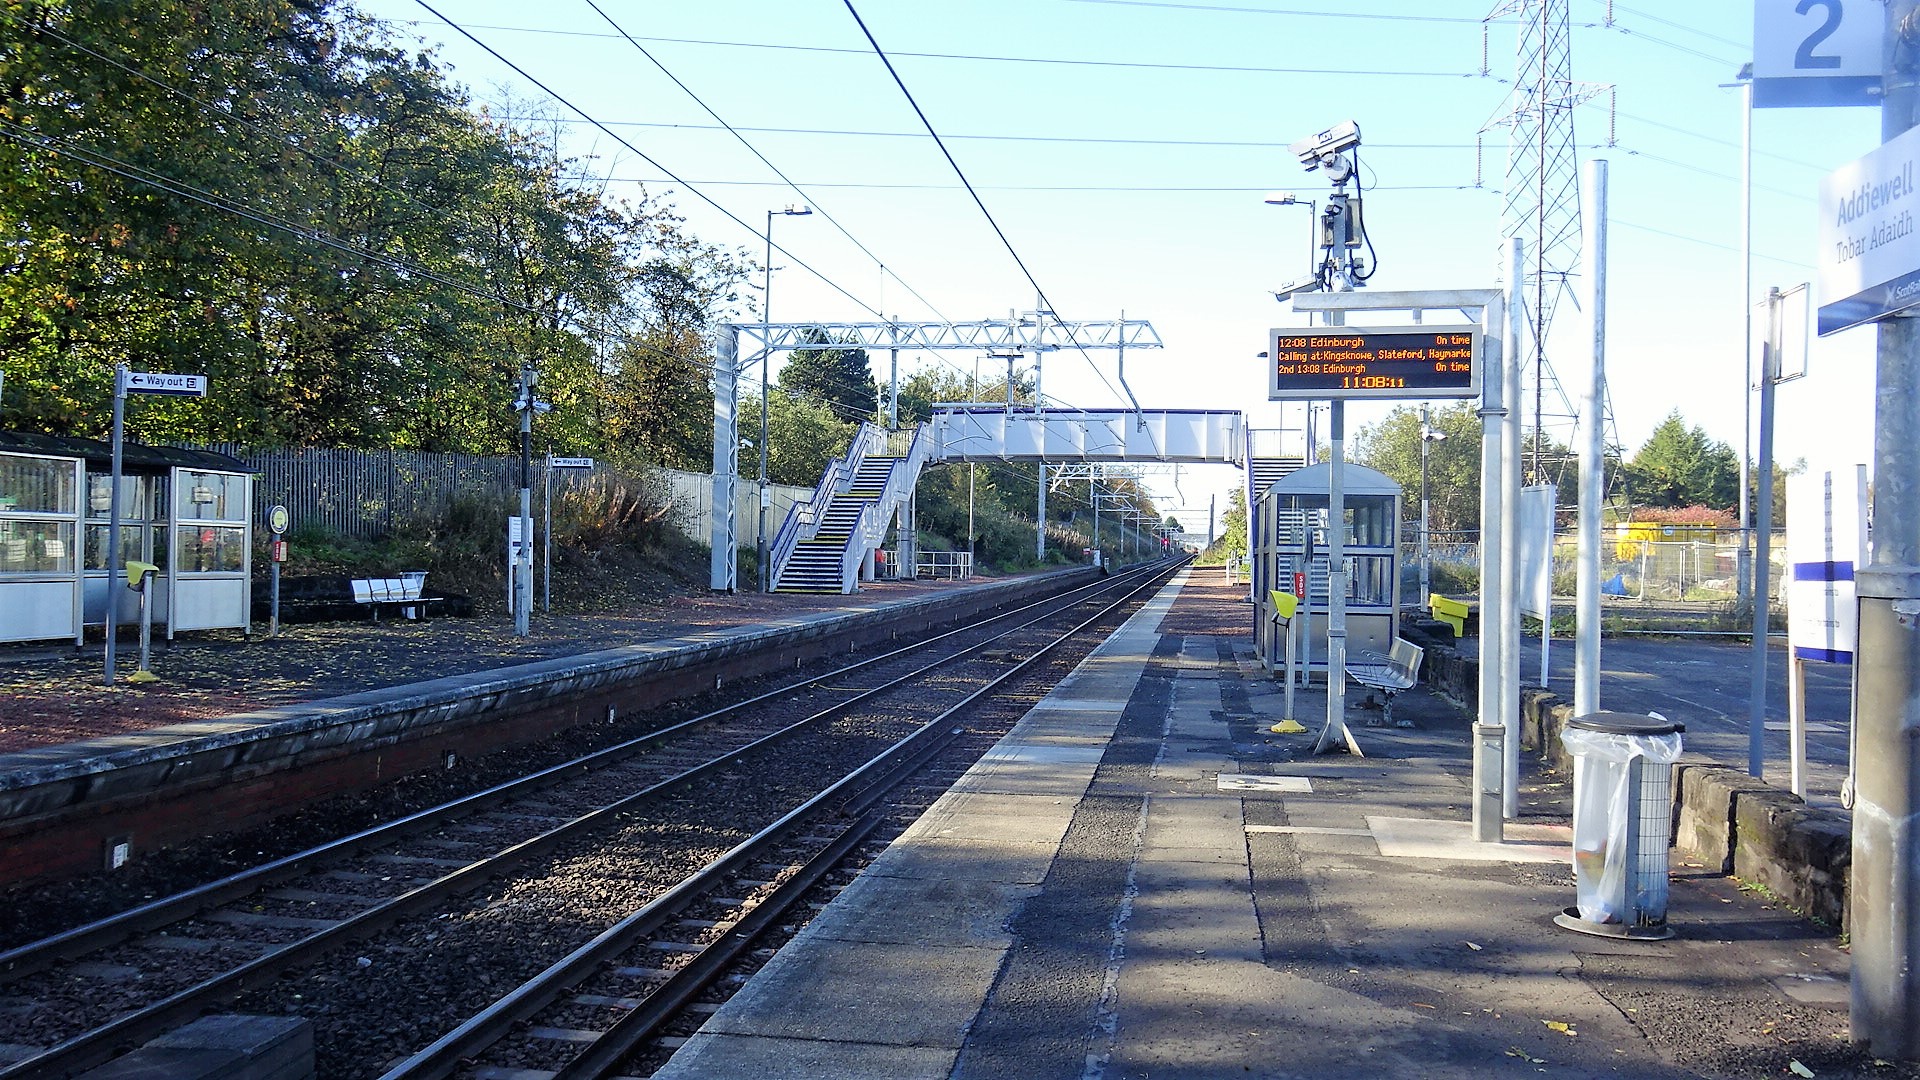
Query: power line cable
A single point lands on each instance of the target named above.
(1039, 292)
(636, 151)
(1144, 65)
(763, 158)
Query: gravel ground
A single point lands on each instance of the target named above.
(56, 695)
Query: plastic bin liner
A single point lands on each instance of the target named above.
(1603, 811)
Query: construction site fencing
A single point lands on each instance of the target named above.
(1704, 570)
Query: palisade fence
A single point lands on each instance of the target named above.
(365, 494)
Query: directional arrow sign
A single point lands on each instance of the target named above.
(571, 462)
(154, 382)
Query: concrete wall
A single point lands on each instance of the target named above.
(62, 807)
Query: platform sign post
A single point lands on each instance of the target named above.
(1337, 362)
(127, 382)
(277, 550)
(1826, 543)
(546, 530)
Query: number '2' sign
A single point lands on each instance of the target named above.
(1817, 52)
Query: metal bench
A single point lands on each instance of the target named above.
(405, 594)
(1396, 671)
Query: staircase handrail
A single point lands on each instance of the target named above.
(803, 519)
(900, 483)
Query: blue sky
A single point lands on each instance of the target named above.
(1124, 148)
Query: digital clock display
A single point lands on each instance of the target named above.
(1324, 362)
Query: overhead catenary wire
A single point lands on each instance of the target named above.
(1039, 292)
(777, 171)
(644, 156)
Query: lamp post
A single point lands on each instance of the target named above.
(1428, 436)
(766, 376)
(1288, 198)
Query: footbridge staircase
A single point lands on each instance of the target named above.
(825, 544)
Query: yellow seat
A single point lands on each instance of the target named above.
(1450, 611)
(1284, 604)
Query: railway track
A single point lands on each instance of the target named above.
(699, 833)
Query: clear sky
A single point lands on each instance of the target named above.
(1124, 148)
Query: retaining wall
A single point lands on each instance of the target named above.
(1723, 818)
(64, 809)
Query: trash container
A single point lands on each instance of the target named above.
(1622, 810)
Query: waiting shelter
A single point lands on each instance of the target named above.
(189, 512)
(1290, 538)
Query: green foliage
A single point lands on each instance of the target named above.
(803, 435)
(840, 379)
(1681, 466)
(1231, 543)
(275, 194)
(1453, 463)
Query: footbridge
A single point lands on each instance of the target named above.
(827, 543)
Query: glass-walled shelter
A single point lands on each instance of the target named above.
(39, 557)
(185, 511)
(1290, 537)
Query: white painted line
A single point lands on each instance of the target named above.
(1298, 785)
(1428, 838)
(1815, 727)
(1308, 830)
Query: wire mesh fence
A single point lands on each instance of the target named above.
(1701, 569)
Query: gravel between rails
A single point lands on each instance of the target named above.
(432, 971)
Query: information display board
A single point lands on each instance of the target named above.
(1415, 362)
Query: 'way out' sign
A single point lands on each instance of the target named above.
(154, 382)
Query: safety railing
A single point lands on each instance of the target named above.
(947, 565)
(803, 521)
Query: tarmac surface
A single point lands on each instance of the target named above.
(1143, 881)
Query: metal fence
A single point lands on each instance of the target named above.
(365, 494)
(1703, 570)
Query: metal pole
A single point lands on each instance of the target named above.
(1040, 417)
(1426, 510)
(1489, 775)
(1884, 889)
(1593, 400)
(546, 538)
(1508, 699)
(113, 512)
(893, 378)
(722, 567)
(1763, 543)
(766, 377)
(1335, 734)
(523, 561)
(1742, 592)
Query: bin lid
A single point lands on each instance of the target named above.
(1626, 723)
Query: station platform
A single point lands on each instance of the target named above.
(1142, 881)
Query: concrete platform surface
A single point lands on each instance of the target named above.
(1143, 882)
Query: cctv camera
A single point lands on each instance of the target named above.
(1314, 150)
(1297, 285)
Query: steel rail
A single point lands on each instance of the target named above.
(24, 960)
(102, 1043)
(869, 782)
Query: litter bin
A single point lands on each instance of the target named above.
(1622, 810)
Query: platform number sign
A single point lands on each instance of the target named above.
(1817, 52)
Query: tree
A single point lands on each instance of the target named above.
(1232, 541)
(1453, 464)
(1681, 466)
(840, 379)
(802, 436)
